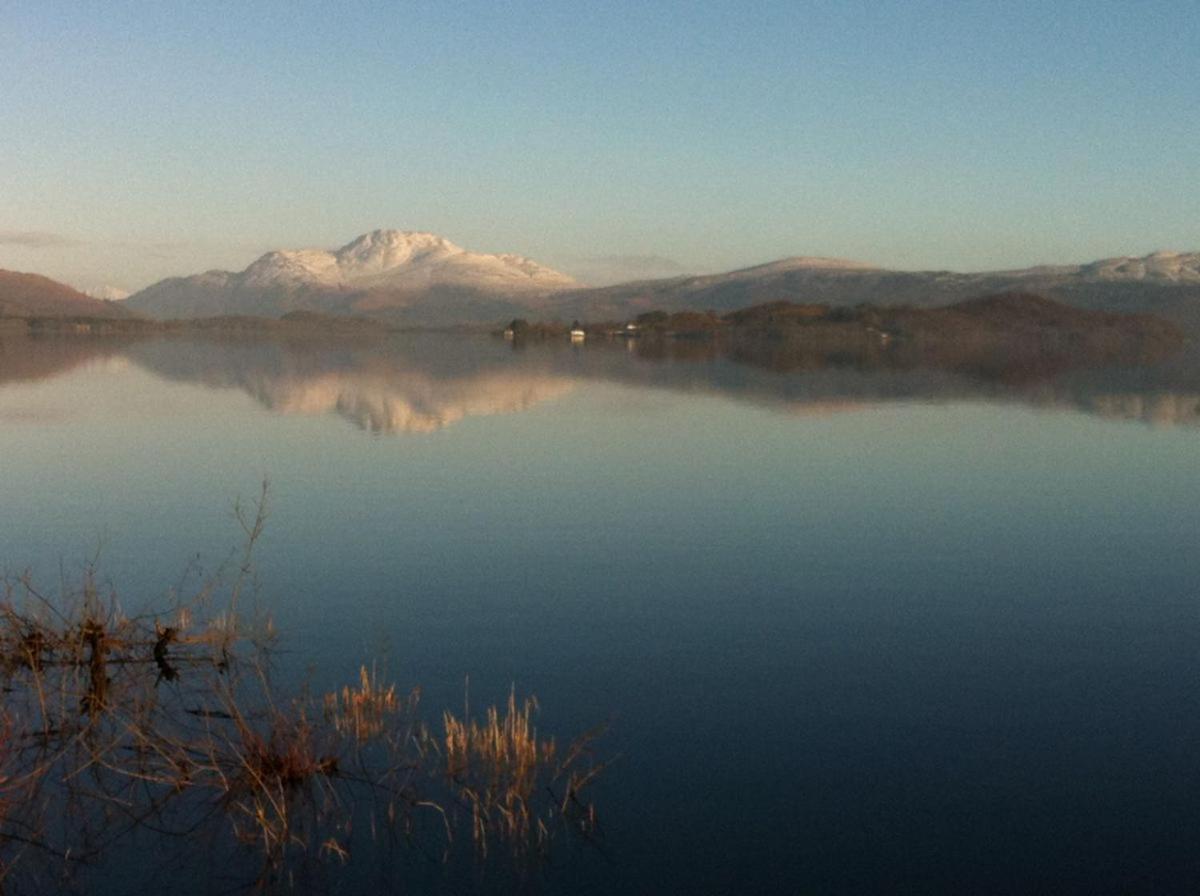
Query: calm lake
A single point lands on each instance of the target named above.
(853, 630)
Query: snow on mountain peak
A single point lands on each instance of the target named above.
(109, 293)
(381, 250)
(292, 267)
(400, 259)
(1163, 265)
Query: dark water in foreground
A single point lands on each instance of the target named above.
(856, 631)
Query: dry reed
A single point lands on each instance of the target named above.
(114, 723)
(501, 770)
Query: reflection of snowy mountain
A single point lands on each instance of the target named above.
(424, 383)
(406, 402)
(376, 389)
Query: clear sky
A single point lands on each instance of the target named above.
(140, 140)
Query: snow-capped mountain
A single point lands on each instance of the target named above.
(1157, 267)
(406, 275)
(401, 259)
(1161, 267)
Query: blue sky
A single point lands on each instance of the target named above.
(140, 140)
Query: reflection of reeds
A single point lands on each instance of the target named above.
(113, 722)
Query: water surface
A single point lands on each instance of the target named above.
(855, 630)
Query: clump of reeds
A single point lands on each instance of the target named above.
(362, 712)
(113, 722)
(264, 775)
(502, 772)
(494, 765)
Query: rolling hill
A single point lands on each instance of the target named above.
(1164, 283)
(32, 295)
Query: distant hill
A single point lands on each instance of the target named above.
(400, 276)
(1164, 283)
(1022, 316)
(1018, 334)
(31, 295)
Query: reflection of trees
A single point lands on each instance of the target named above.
(1161, 409)
(426, 382)
(808, 377)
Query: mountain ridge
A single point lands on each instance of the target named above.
(1166, 283)
(379, 271)
(423, 279)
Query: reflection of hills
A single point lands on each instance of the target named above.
(377, 390)
(24, 358)
(425, 382)
(812, 382)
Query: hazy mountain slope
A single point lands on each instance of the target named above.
(1165, 283)
(401, 275)
(31, 295)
